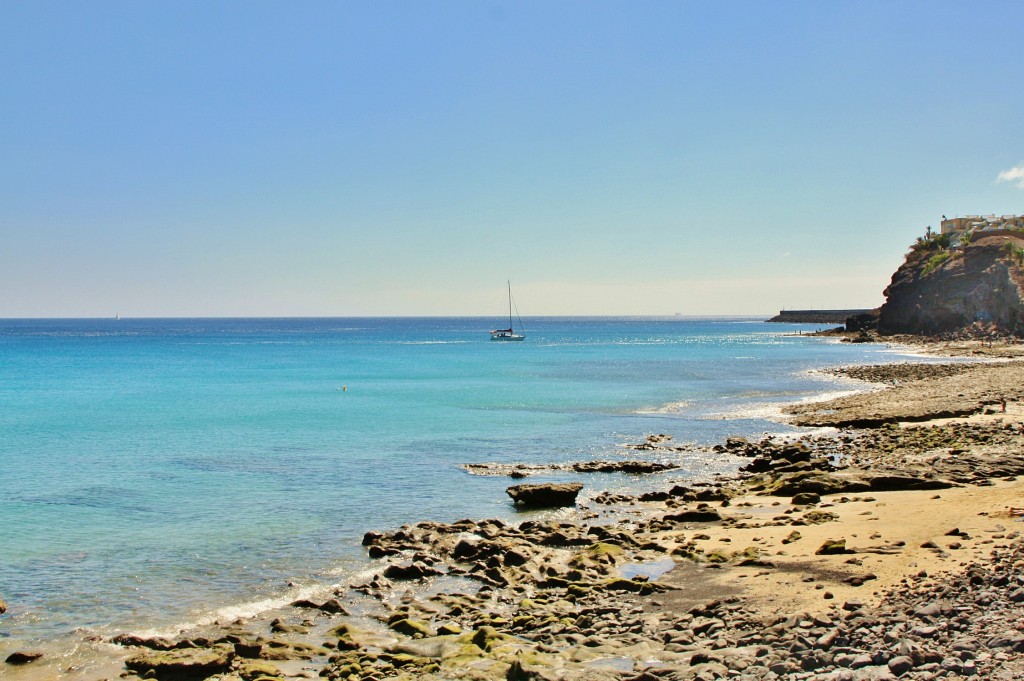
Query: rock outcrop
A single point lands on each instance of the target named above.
(545, 495)
(975, 288)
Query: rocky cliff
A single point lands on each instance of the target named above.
(977, 288)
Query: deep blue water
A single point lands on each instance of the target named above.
(157, 470)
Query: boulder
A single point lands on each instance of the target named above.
(545, 495)
(3, 606)
(411, 627)
(893, 483)
(832, 547)
(184, 665)
(698, 516)
(814, 482)
(20, 658)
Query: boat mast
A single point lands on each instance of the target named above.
(509, 282)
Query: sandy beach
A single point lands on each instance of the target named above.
(887, 547)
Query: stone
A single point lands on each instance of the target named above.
(1008, 639)
(817, 517)
(858, 580)
(332, 606)
(893, 483)
(485, 637)
(806, 499)
(195, 663)
(155, 643)
(249, 650)
(901, 665)
(19, 658)
(545, 495)
(520, 672)
(932, 610)
(407, 571)
(698, 516)
(411, 628)
(832, 547)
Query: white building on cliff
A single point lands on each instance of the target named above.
(985, 223)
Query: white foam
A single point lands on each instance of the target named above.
(670, 408)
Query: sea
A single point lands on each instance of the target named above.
(158, 474)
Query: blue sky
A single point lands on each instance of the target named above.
(406, 158)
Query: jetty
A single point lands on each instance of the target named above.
(817, 316)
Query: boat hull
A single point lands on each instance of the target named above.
(504, 336)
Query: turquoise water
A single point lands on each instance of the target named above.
(156, 472)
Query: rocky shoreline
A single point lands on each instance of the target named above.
(884, 550)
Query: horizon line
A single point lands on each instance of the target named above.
(676, 315)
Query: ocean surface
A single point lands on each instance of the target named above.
(158, 473)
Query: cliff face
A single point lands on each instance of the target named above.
(936, 291)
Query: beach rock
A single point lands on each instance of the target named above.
(813, 482)
(520, 672)
(154, 643)
(279, 626)
(832, 547)
(249, 650)
(806, 499)
(3, 606)
(182, 665)
(900, 665)
(407, 571)
(1008, 639)
(634, 467)
(20, 658)
(710, 494)
(545, 495)
(411, 627)
(894, 483)
(859, 580)
(697, 516)
(332, 606)
(817, 517)
(280, 649)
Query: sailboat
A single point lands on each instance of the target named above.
(509, 334)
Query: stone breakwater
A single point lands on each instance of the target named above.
(879, 553)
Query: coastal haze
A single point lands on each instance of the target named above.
(340, 159)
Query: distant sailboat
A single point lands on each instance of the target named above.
(509, 334)
(117, 318)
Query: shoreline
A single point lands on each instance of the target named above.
(478, 619)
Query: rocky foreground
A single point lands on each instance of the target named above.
(888, 551)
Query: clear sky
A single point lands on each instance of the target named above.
(406, 158)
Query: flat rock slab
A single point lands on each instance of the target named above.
(550, 495)
(186, 664)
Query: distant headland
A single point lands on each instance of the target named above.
(966, 280)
